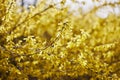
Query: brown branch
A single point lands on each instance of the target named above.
(37, 50)
(114, 62)
(11, 4)
(28, 18)
(57, 38)
(13, 54)
(114, 72)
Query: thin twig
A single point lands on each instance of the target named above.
(28, 18)
(37, 51)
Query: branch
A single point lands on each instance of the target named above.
(37, 50)
(27, 19)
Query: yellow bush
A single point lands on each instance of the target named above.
(50, 43)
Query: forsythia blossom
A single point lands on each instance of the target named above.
(50, 43)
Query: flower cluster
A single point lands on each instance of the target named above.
(50, 43)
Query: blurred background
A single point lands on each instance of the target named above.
(106, 7)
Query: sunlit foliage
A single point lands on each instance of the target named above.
(50, 43)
